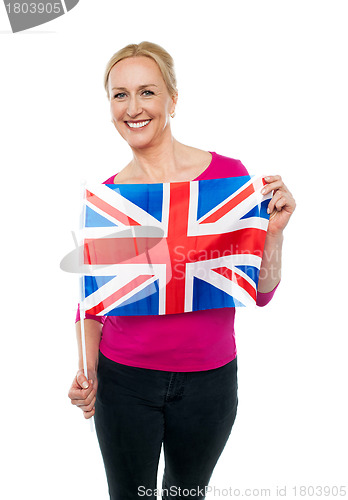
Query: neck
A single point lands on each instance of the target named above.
(158, 163)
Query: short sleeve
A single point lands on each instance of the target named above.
(241, 169)
(100, 319)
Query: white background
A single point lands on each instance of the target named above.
(261, 81)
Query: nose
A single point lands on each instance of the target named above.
(134, 108)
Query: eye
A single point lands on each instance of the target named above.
(120, 95)
(148, 92)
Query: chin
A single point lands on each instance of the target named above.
(139, 143)
(135, 144)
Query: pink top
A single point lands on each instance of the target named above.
(193, 341)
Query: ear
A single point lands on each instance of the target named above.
(175, 97)
(175, 100)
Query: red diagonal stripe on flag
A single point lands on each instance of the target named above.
(108, 209)
(236, 278)
(111, 299)
(230, 205)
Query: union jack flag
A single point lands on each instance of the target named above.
(172, 247)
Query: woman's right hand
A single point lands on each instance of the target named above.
(83, 393)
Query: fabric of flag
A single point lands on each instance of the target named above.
(154, 249)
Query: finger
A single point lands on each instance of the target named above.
(89, 414)
(274, 186)
(280, 203)
(272, 178)
(88, 407)
(274, 182)
(76, 393)
(83, 401)
(277, 195)
(82, 380)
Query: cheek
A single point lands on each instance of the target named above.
(117, 112)
(159, 108)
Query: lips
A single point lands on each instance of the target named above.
(138, 124)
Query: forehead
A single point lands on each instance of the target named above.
(134, 71)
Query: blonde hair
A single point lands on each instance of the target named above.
(147, 49)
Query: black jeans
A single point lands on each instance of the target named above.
(138, 409)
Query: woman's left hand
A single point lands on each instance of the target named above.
(281, 206)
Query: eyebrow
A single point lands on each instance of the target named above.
(139, 88)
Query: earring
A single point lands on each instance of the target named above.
(172, 114)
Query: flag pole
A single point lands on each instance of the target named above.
(83, 339)
(82, 289)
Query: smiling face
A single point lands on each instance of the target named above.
(140, 103)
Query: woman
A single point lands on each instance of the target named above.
(168, 379)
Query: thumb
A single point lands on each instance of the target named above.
(81, 380)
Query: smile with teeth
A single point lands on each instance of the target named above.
(138, 124)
